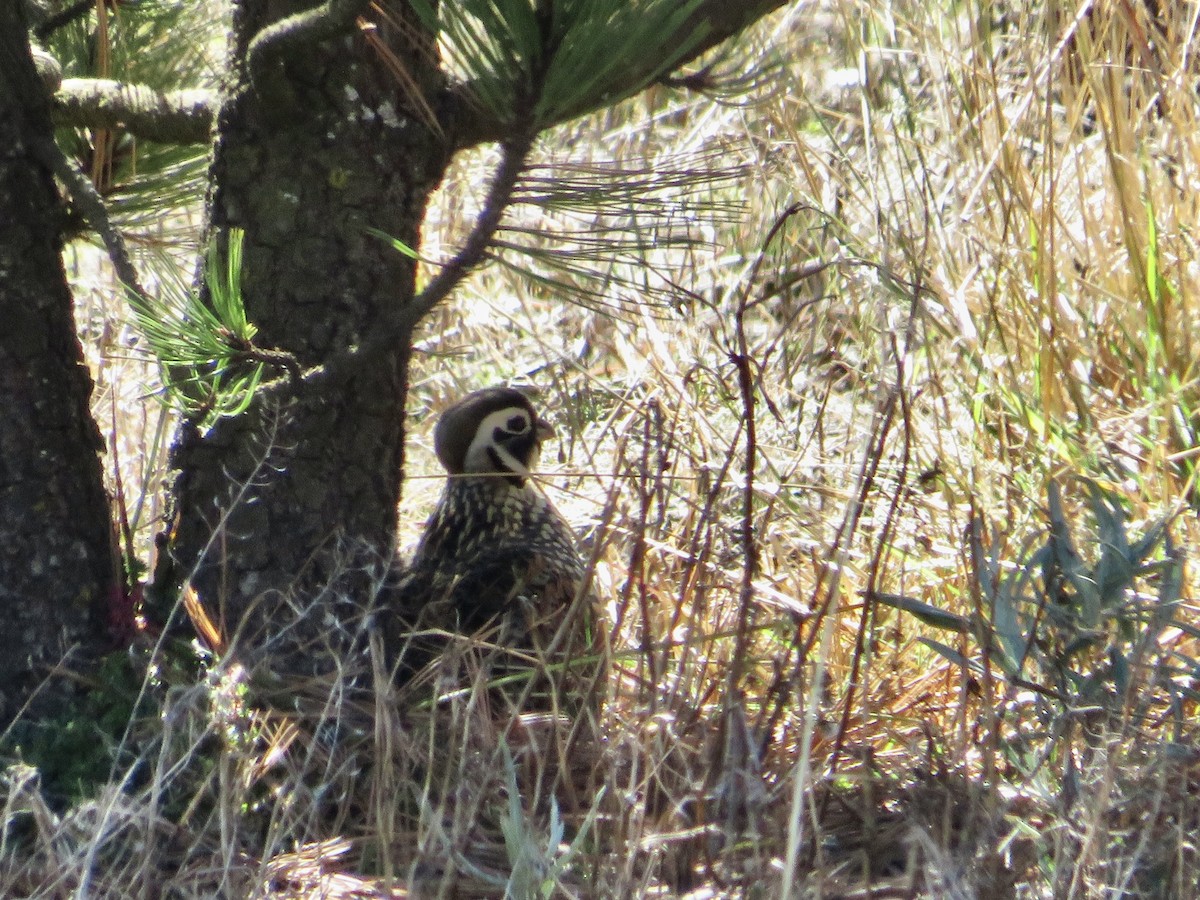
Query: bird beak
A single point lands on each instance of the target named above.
(543, 430)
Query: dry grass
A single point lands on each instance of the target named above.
(978, 284)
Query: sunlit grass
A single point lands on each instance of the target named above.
(979, 294)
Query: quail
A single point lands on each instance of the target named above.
(496, 554)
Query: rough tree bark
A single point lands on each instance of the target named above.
(301, 491)
(335, 126)
(56, 568)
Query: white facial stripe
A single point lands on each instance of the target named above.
(477, 459)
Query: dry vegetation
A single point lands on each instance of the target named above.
(888, 481)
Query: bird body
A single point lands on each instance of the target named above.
(496, 557)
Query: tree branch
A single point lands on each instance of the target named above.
(715, 20)
(91, 206)
(76, 10)
(720, 18)
(499, 197)
(174, 117)
(331, 18)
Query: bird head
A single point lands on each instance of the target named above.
(495, 431)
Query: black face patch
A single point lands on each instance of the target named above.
(498, 465)
(517, 424)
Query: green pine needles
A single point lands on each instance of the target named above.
(538, 64)
(210, 365)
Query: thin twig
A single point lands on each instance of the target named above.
(896, 396)
(637, 559)
(740, 357)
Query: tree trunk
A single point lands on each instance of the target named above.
(296, 500)
(335, 126)
(56, 568)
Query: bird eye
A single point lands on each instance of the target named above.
(517, 424)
